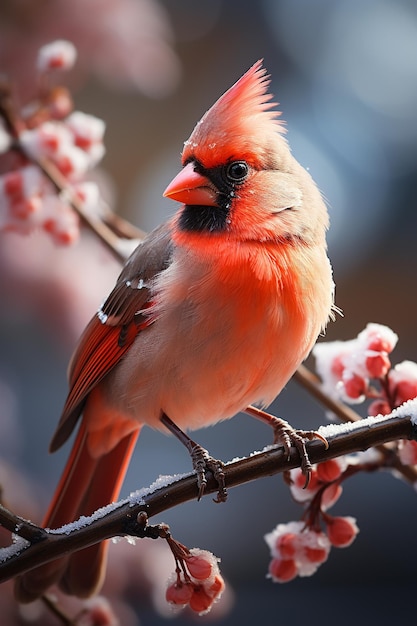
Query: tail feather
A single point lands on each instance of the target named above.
(87, 484)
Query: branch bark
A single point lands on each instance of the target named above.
(126, 517)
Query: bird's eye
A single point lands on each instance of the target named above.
(237, 171)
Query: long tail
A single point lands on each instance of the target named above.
(86, 484)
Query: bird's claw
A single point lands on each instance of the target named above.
(202, 461)
(286, 435)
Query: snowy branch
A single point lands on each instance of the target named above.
(35, 546)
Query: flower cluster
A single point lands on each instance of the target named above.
(197, 582)
(347, 367)
(360, 369)
(298, 548)
(48, 130)
(352, 371)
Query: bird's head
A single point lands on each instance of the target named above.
(239, 178)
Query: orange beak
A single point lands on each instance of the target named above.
(190, 187)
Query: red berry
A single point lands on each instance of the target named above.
(286, 545)
(338, 366)
(179, 593)
(300, 480)
(377, 365)
(405, 390)
(217, 587)
(200, 601)
(355, 386)
(328, 471)
(379, 407)
(331, 495)
(199, 567)
(283, 570)
(13, 185)
(315, 555)
(341, 531)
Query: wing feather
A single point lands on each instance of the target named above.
(114, 328)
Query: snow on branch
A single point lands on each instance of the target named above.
(35, 546)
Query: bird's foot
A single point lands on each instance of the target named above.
(287, 436)
(202, 461)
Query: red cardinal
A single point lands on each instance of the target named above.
(214, 311)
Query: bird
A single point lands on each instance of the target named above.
(213, 312)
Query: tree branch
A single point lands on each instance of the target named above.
(126, 517)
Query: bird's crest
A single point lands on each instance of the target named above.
(239, 121)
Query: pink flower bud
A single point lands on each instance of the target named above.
(341, 531)
(378, 337)
(405, 390)
(299, 479)
(315, 547)
(286, 545)
(403, 382)
(407, 452)
(329, 470)
(299, 492)
(315, 555)
(60, 220)
(13, 184)
(58, 55)
(379, 407)
(200, 601)
(24, 208)
(87, 129)
(179, 593)
(199, 566)
(98, 612)
(377, 364)
(331, 495)
(59, 103)
(355, 386)
(282, 570)
(338, 366)
(216, 588)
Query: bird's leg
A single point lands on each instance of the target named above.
(201, 460)
(286, 435)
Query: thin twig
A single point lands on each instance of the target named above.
(55, 608)
(20, 526)
(113, 242)
(112, 230)
(312, 384)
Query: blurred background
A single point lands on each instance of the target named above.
(345, 75)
